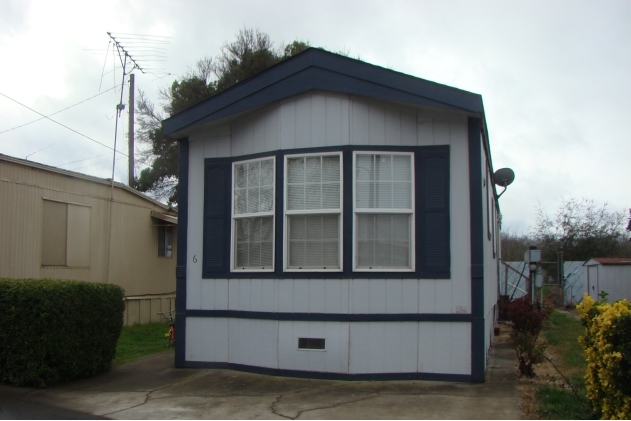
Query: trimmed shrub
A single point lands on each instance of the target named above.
(607, 347)
(527, 321)
(56, 330)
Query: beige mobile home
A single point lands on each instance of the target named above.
(65, 225)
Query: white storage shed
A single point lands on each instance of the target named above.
(337, 220)
(611, 275)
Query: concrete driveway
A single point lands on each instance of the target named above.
(151, 388)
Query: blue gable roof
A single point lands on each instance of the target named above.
(316, 69)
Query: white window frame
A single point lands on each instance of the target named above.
(288, 213)
(370, 211)
(234, 218)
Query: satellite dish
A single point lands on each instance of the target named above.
(504, 177)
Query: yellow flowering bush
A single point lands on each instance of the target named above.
(607, 347)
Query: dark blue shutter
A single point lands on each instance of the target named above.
(217, 188)
(432, 220)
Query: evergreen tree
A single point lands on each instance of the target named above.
(251, 53)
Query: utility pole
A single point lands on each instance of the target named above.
(131, 130)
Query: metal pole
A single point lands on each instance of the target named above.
(131, 130)
(562, 276)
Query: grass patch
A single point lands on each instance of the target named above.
(562, 334)
(561, 404)
(140, 340)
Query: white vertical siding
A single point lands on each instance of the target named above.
(214, 294)
(271, 139)
(359, 124)
(444, 348)
(333, 359)
(287, 124)
(207, 339)
(350, 347)
(395, 350)
(377, 125)
(337, 122)
(322, 119)
(253, 342)
(613, 279)
(198, 150)
(252, 294)
(491, 261)
(460, 220)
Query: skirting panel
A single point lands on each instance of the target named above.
(350, 349)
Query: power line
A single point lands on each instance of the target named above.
(65, 137)
(56, 112)
(91, 165)
(62, 125)
(84, 159)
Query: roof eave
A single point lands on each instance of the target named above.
(320, 70)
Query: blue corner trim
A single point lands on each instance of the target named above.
(463, 378)
(478, 351)
(182, 256)
(332, 317)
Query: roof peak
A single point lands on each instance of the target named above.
(321, 70)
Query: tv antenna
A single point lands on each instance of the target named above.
(148, 48)
(123, 56)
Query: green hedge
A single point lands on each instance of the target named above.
(53, 331)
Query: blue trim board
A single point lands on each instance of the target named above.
(316, 69)
(182, 255)
(478, 351)
(463, 378)
(332, 317)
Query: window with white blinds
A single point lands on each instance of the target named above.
(384, 211)
(253, 215)
(313, 208)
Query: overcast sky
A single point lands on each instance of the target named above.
(555, 77)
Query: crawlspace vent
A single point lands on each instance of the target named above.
(310, 343)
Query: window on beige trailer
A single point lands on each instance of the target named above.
(165, 241)
(65, 235)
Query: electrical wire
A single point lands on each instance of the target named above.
(92, 165)
(84, 159)
(56, 112)
(65, 137)
(63, 125)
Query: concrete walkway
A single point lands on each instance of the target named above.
(151, 388)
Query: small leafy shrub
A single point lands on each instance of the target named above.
(527, 321)
(607, 347)
(54, 330)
